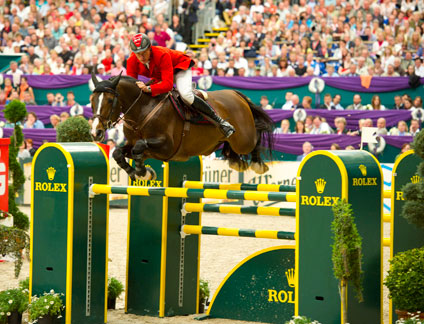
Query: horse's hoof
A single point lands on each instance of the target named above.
(149, 175)
(259, 168)
(239, 166)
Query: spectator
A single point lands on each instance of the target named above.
(33, 122)
(330, 71)
(335, 147)
(58, 100)
(15, 72)
(76, 109)
(288, 104)
(408, 104)
(381, 125)
(414, 128)
(23, 152)
(50, 98)
(300, 127)
(265, 103)
(8, 87)
(284, 127)
(419, 67)
(356, 103)
(2, 97)
(340, 123)
(190, 8)
(118, 68)
(376, 103)
(300, 68)
(350, 148)
(336, 102)
(390, 71)
(306, 148)
(307, 102)
(418, 102)
(54, 120)
(400, 130)
(309, 124)
(398, 67)
(64, 116)
(283, 68)
(27, 100)
(29, 144)
(162, 37)
(320, 126)
(328, 104)
(295, 102)
(398, 103)
(23, 87)
(112, 146)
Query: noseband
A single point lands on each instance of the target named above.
(109, 123)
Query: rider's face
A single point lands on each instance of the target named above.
(144, 56)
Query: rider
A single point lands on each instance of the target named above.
(163, 66)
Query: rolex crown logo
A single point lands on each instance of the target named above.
(290, 277)
(320, 185)
(415, 179)
(50, 173)
(363, 169)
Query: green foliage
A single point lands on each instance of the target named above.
(49, 304)
(413, 320)
(15, 111)
(13, 300)
(301, 320)
(204, 291)
(24, 284)
(13, 241)
(74, 129)
(20, 219)
(115, 288)
(418, 144)
(413, 208)
(405, 280)
(347, 247)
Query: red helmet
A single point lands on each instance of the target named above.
(140, 43)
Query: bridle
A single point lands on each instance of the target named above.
(109, 123)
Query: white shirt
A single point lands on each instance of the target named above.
(241, 63)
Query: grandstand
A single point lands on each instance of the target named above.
(369, 53)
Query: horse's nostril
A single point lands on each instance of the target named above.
(99, 133)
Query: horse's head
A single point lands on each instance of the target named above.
(105, 106)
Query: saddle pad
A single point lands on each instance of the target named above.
(187, 113)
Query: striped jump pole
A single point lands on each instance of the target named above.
(193, 193)
(224, 231)
(234, 209)
(238, 186)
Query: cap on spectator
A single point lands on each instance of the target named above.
(100, 66)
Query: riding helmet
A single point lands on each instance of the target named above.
(140, 43)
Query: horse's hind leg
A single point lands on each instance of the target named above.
(257, 164)
(235, 161)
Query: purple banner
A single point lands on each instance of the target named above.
(292, 143)
(38, 136)
(352, 116)
(353, 84)
(44, 112)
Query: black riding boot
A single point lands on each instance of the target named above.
(202, 106)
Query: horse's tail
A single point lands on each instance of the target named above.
(263, 123)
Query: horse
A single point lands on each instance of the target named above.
(154, 129)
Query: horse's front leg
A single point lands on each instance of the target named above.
(141, 171)
(119, 156)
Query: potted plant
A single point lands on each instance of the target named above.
(13, 302)
(412, 320)
(405, 281)
(46, 309)
(204, 293)
(13, 241)
(301, 320)
(114, 290)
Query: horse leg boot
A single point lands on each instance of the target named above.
(141, 171)
(119, 157)
(202, 106)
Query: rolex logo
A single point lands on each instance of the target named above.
(415, 179)
(290, 277)
(320, 185)
(50, 173)
(363, 169)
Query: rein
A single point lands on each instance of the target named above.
(128, 110)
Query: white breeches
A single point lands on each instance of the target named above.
(183, 81)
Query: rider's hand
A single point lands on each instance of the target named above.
(142, 86)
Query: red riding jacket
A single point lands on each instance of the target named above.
(162, 65)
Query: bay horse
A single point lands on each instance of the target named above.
(154, 129)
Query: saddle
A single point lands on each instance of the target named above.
(186, 112)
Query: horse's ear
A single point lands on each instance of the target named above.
(116, 81)
(94, 79)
